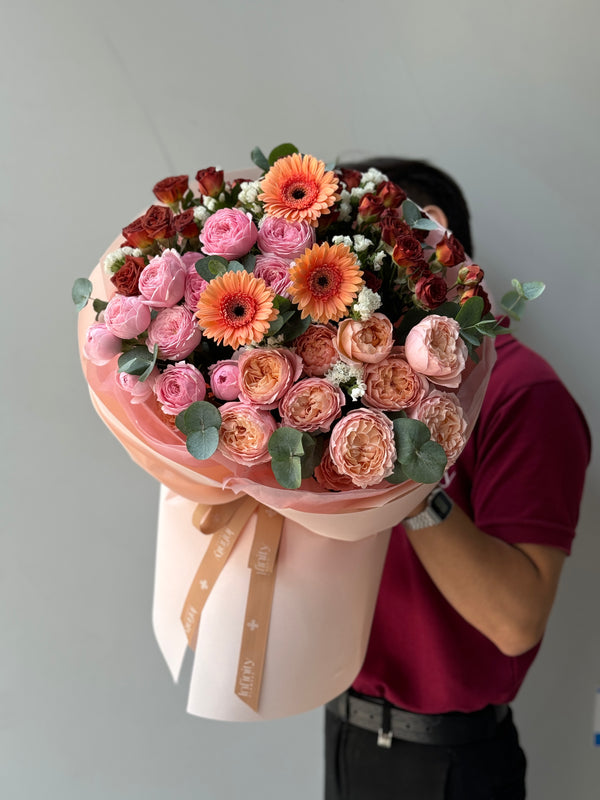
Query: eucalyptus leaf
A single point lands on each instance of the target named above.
(398, 475)
(217, 265)
(286, 450)
(136, 361)
(280, 321)
(448, 309)
(235, 266)
(249, 262)
(533, 289)
(470, 337)
(295, 327)
(202, 444)
(330, 166)
(99, 305)
(312, 454)
(281, 151)
(260, 159)
(425, 224)
(409, 436)
(411, 212)
(470, 312)
(514, 304)
(516, 284)
(146, 374)
(81, 292)
(199, 416)
(427, 464)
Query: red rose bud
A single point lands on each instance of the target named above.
(171, 190)
(393, 228)
(470, 275)
(390, 194)
(449, 251)
(351, 177)
(210, 181)
(431, 291)
(407, 251)
(158, 222)
(135, 234)
(476, 291)
(186, 225)
(370, 208)
(126, 279)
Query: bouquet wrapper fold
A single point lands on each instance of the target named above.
(276, 597)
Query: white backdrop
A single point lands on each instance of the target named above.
(101, 100)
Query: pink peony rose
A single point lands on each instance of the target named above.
(162, 281)
(266, 375)
(126, 317)
(434, 348)
(275, 272)
(225, 379)
(139, 391)
(244, 433)
(393, 384)
(443, 415)
(176, 333)
(228, 233)
(368, 342)
(312, 405)
(327, 475)
(362, 447)
(317, 350)
(101, 346)
(278, 237)
(178, 387)
(194, 284)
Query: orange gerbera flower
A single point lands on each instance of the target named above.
(325, 281)
(298, 188)
(236, 308)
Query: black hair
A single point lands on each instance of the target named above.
(426, 185)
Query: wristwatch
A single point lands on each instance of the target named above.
(439, 505)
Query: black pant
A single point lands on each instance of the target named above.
(357, 769)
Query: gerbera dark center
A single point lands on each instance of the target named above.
(299, 192)
(324, 282)
(238, 310)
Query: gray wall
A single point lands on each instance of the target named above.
(100, 101)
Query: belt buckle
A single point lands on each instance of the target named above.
(384, 739)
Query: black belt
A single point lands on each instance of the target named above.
(388, 721)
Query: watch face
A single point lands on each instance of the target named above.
(441, 504)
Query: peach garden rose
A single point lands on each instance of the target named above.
(311, 405)
(434, 348)
(244, 433)
(443, 415)
(266, 375)
(392, 384)
(317, 350)
(362, 447)
(367, 341)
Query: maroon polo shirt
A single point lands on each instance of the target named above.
(520, 478)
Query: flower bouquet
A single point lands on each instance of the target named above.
(297, 358)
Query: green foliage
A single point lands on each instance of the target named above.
(138, 361)
(419, 458)
(260, 159)
(294, 455)
(99, 306)
(200, 423)
(249, 262)
(515, 302)
(424, 224)
(281, 151)
(470, 313)
(295, 327)
(411, 212)
(286, 312)
(81, 292)
(447, 309)
(211, 267)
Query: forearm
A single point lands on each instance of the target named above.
(497, 587)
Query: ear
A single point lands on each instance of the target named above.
(436, 213)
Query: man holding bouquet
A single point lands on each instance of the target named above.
(468, 584)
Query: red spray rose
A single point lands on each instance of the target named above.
(158, 222)
(136, 235)
(370, 208)
(431, 291)
(407, 251)
(126, 279)
(393, 228)
(210, 181)
(186, 225)
(171, 190)
(390, 194)
(351, 177)
(449, 251)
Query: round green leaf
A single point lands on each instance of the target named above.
(81, 292)
(200, 416)
(470, 312)
(202, 444)
(282, 151)
(533, 289)
(260, 159)
(398, 475)
(287, 471)
(286, 442)
(409, 435)
(427, 464)
(136, 361)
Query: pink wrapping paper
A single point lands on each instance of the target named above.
(331, 556)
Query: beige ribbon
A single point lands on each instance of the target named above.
(225, 522)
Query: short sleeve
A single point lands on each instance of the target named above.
(532, 452)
